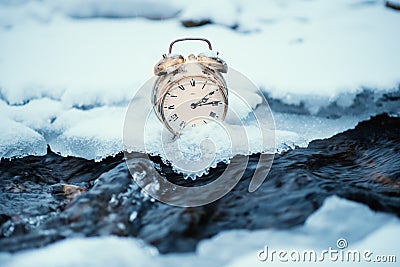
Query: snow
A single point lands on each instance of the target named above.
(290, 54)
(89, 134)
(363, 230)
(68, 71)
(38, 114)
(19, 140)
(153, 9)
(223, 12)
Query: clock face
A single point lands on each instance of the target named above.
(193, 101)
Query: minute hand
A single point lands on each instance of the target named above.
(214, 103)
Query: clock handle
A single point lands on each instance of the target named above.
(189, 39)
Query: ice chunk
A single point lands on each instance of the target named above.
(92, 134)
(17, 140)
(298, 130)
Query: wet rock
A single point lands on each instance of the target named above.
(67, 191)
(362, 164)
(195, 23)
(190, 23)
(28, 195)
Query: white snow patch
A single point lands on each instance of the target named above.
(38, 114)
(17, 140)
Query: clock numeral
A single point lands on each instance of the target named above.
(181, 87)
(213, 114)
(192, 82)
(173, 117)
(193, 125)
(211, 93)
(171, 95)
(182, 124)
(170, 107)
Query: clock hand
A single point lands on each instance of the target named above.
(209, 103)
(195, 105)
(199, 103)
(203, 100)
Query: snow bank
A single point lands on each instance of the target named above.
(293, 50)
(17, 140)
(71, 79)
(364, 229)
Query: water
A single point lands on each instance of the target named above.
(360, 165)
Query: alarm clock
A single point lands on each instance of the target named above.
(190, 91)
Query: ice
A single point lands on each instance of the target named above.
(70, 80)
(298, 130)
(337, 218)
(198, 149)
(17, 140)
(92, 134)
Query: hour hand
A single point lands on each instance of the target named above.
(194, 105)
(199, 103)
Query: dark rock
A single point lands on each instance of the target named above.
(367, 101)
(195, 23)
(190, 23)
(361, 164)
(393, 5)
(67, 191)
